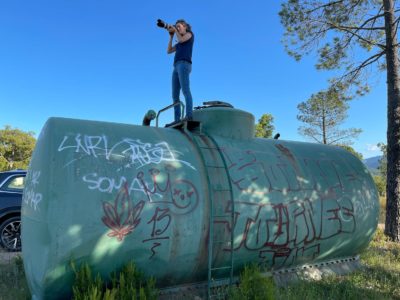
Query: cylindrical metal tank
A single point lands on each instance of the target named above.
(109, 193)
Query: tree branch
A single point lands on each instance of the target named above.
(357, 35)
(354, 73)
(323, 6)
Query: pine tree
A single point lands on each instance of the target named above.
(323, 113)
(354, 36)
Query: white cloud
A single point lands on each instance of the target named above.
(370, 150)
(373, 148)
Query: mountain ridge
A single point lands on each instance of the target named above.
(372, 163)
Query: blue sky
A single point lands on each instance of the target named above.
(106, 60)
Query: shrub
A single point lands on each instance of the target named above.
(253, 285)
(129, 283)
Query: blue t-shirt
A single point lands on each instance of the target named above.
(184, 50)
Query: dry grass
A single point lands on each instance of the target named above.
(378, 279)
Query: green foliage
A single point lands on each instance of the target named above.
(352, 151)
(377, 279)
(16, 147)
(128, 284)
(383, 162)
(323, 113)
(380, 183)
(381, 179)
(265, 127)
(253, 285)
(336, 31)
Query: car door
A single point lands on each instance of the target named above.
(11, 193)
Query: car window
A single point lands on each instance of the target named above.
(15, 184)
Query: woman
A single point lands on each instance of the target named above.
(182, 65)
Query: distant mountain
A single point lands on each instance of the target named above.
(372, 163)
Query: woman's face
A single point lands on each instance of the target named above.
(181, 28)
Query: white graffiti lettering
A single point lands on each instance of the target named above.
(137, 153)
(110, 185)
(31, 197)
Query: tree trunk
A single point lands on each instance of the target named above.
(323, 127)
(392, 224)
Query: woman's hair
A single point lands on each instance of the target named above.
(182, 21)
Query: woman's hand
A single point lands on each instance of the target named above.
(171, 30)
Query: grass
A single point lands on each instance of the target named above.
(12, 279)
(378, 279)
(128, 284)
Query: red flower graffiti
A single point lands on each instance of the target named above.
(120, 216)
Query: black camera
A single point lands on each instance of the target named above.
(162, 24)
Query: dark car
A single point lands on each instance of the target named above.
(11, 188)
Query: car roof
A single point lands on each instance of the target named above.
(11, 172)
(6, 174)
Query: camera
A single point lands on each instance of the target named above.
(162, 24)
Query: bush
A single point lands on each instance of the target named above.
(380, 183)
(253, 285)
(129, 283)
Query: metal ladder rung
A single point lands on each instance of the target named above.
(211, 148)
(215, 155)
(221, 190)
(215, 167)
(222, 216)
(222, 242)
(221, 268)
(219, 282)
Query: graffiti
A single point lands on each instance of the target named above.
(153, 191)
(184, 194)
(284, 175)
(156, 220)
(283, 229)
(109, 185)
(155, 184)
(121, 216)
(151, 182)
(155, 245)
(130, 152)
(286, 206)
(160, 223)
(31, 197)
(277, 258)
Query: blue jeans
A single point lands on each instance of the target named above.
(180, 80)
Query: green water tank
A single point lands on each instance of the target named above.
(108, 193)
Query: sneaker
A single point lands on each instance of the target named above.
(173, 123)
(189, 118)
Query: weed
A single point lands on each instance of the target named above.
(378, 279)
(129, 283)
(253, 285)
(12, 280)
